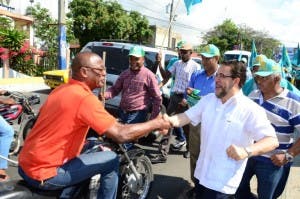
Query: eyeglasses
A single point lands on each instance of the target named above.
(261, 78)
(97, 71)
(223, 76)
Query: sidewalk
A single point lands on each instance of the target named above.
(23, 84)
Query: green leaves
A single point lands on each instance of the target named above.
(94, 20)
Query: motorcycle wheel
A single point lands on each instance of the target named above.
(15, 145)
(129, 187)
(27, 128)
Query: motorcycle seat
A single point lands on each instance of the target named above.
(17, 189)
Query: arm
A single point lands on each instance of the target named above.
(155, 95)
(115, 89)
(126, 132)
(262, 146)
(178, 120)
(280, 159)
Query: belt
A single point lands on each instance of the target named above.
(130, 112)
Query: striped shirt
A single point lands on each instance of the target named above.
(139, 91)
(182, 72)
(283, 111)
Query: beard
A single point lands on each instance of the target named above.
(224, 91)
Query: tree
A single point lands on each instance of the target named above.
(228, 36)
(14, 49)
(46, 31)
(94, 20)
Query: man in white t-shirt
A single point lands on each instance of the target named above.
(230, 123)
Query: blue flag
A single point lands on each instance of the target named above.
(253, 54)
(285, 59)
(189, 4)
(296, 59)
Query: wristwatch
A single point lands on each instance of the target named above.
(289, 157)
(249, 151)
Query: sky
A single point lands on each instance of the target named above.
(280, 18)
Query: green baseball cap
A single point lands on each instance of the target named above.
(258, 60)
(180, 43)
(137, 51)
(210, 50)
(268, 67)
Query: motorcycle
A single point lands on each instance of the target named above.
(134, 181)
(21, 116)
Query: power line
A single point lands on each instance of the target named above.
(181, 25)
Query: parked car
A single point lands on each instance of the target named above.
(115, 56)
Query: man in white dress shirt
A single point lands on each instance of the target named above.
(230, 123)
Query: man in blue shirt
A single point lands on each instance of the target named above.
(204, 81)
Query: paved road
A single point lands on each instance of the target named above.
(171, 179)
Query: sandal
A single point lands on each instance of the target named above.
(3, 176)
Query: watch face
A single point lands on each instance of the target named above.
(289, 157)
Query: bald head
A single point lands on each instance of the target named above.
(84, 59)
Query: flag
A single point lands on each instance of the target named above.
(253, 54)
(296, 59)
(285, 59)
(189, 4)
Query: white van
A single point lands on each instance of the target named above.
(236, 54)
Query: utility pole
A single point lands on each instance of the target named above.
(62, 43)
(170, 25)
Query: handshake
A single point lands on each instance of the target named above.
(164, 122)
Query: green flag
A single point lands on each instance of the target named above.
(253, 54)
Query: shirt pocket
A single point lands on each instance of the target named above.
(221, 169)
(136, 86)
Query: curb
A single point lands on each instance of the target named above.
(29, 84)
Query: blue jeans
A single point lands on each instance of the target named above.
(6, 137)
(203, 192)
(271, 179)
(80, 169)
(132, 118)
(179, 133)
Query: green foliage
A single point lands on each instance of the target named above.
(229, 35)
(94, 20)
(11, 39)
(46, 32)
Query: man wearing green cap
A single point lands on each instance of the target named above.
(182, 71)
(283, 110)
(250, 84)
(139, 88)
(204, 81)
(230, 122)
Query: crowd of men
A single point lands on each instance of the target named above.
(234, 128)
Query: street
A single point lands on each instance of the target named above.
(171, 179)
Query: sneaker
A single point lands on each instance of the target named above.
(158, 159)
(178, 145)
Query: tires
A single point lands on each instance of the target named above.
(15, 145)
(27, 128)
(130, 187)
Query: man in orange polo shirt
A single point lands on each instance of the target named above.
(51, 159)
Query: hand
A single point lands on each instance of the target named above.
(101, 97)
(279, 159)
(236, 152)
(183, 103)
(8, 101)
(158, 57)
(2, 92)
(189, 90)
(163, 124)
